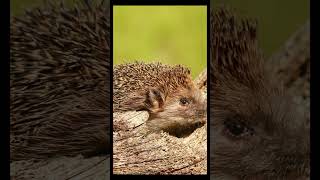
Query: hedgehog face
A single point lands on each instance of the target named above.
(168, 93)
(180, 113)
(257, 136)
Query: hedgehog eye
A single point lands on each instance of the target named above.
(237, 128)
(184, 101)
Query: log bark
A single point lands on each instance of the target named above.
(67, 168)
(291, 64)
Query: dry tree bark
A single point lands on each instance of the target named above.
(292, 65)
(201, 80)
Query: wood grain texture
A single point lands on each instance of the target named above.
(291, 63)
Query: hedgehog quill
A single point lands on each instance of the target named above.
(59, 81)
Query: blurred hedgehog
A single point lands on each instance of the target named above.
(59, 81)
(168, 93)
(257, 131)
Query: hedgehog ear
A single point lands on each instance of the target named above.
(155, 98)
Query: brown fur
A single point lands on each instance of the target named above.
(59, 74)
(271, 141)
(158, 88)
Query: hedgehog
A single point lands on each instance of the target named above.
(174, 103)
(60, 81)
(256, 130)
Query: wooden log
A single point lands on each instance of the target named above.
(291, 64)
(292, 61)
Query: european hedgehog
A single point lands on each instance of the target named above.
(174, 103)
(257, 131)
(59, 81)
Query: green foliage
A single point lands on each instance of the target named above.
(169, 34)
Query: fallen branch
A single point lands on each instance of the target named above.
(291, 64)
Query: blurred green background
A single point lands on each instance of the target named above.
(169, 34)
(277, 20)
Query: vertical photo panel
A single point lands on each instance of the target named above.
(159, 90)
(60, 89)
(259, 90)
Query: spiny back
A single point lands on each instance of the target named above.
(59, 58)
(57, 40)
(234, 52)
(139, 76)
(57, 53)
